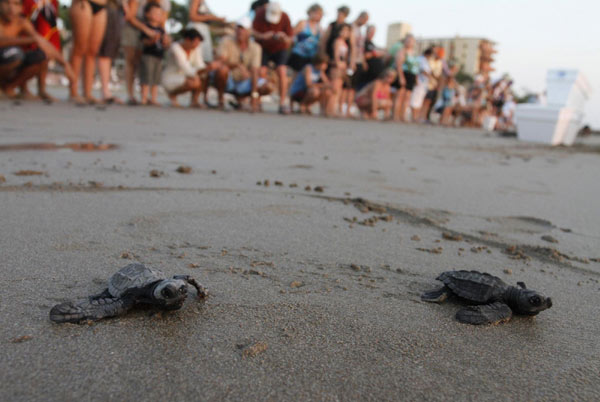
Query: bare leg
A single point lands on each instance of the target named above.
(404, 105)
(398, 100)
(22, 77)
(97, 30)
(42, 84)
(221, 76)
(132, 59)
(104, 68)
(283, 84)
(145, 90)
(154, 95)
(81, 20)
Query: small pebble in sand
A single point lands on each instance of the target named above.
(436, 250)
(508, 271)
(452, 236)
(126, 255)
(259, 183)
(278, 183)
(307, 188)
(549, 239)
(254, 350)
(296, 284)
(415, 238)
(319, 189)
(21, 339)
(2, 179)
(266, 183)
(28, 173)
(293, 185)
(193, 265)
(183, 169)
(156, 173)
(355, 267)
(213, 172)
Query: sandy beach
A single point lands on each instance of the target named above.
(315, 295)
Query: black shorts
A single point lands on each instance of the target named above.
(411, 81)
(278, 58)
(24, 58)
(297, 62)
(431, 95)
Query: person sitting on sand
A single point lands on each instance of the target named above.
(312, 85)
(239, 66)
(17, 66)
(185, 68)
(376, 96)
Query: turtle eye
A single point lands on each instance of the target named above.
(535, 300)
(166, 293)
(182, 289)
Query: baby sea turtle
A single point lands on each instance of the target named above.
(131, 285)
(494, 300)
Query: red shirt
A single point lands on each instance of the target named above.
(262, 25)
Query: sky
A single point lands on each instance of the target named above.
(532, 36)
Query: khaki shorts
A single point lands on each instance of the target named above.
(131, 37)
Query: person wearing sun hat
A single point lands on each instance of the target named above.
(273, 30)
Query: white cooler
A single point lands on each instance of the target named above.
(567, 88)
(559, 120)
(547, 124)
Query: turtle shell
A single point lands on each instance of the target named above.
(132, 276)
(474, 286)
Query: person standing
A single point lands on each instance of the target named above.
(131, 39)
(273, 31)
(199, 15)
(88, 19)
(153, 49)
(326, 47)
(307, 34)
(109, 49)
(407, 68)
(374, 59)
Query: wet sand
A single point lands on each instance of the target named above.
(314, 295)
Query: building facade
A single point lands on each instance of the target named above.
(396, 32)
(474, 55)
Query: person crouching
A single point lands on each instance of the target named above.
(312, 85)
(376, 96)
(185, 68)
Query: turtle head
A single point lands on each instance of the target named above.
(170, 293)
(530, 302)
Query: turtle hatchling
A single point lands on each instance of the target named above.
(131, 285)
(493, 301)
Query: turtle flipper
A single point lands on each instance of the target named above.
(436, 296)
(493, 313)
(91, 308)
(202, 291)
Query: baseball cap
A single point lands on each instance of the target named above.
(244, 22)
(273, 14)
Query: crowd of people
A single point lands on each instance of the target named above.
(337, 67)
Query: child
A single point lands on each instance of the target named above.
(312, 85)
(446, 107)
(376, 96)
(152, 53)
